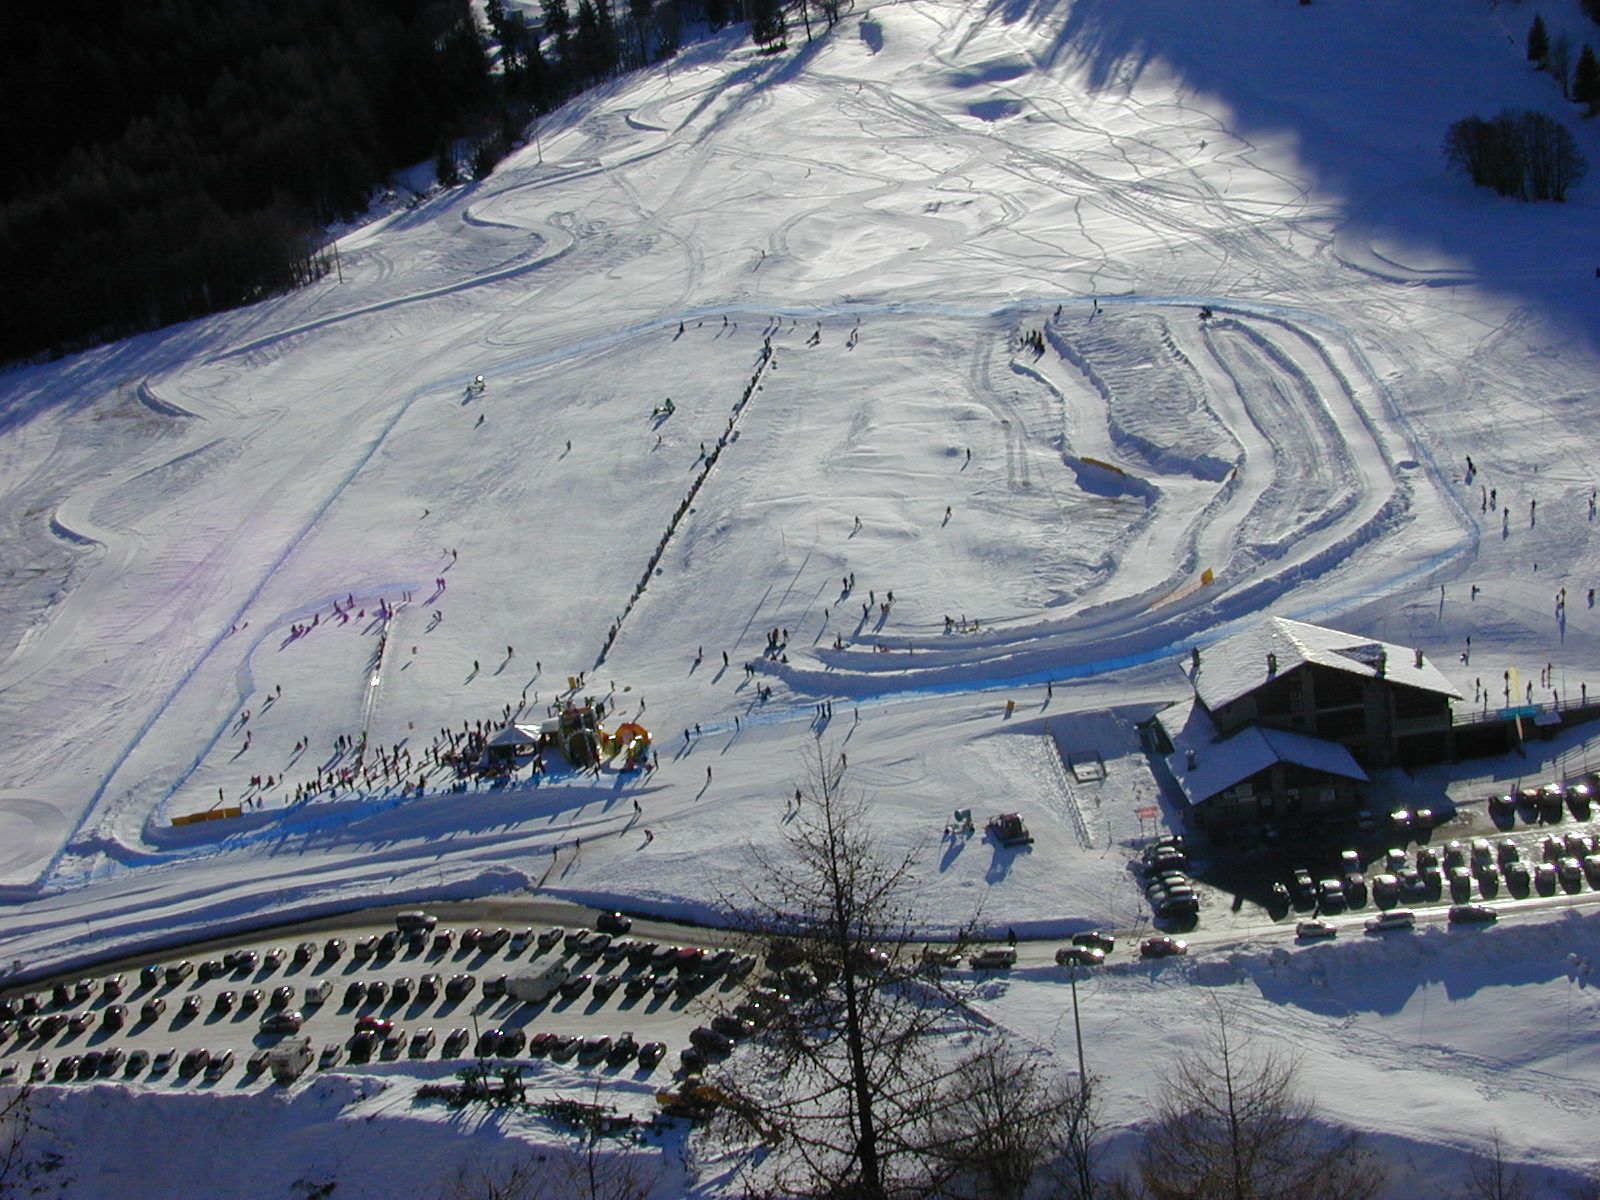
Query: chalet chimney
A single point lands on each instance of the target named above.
(1194, 657)
(1188, 758)
(1383, 663)
(1419, 658)
(1272, 664)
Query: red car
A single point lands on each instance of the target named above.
(374, 1024)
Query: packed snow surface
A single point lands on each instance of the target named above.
(925, 297)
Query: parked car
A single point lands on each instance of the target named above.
(576, 986)
(374, 1023)
(149, 975)
(637, 985)
(594, 1048)
(1395, 918)
(732, 1025)
(225, 1001)
(1162, 946)
(1472, 914)
(151, 1010)
(1302, 887)
(138, 1060)
(195, 1061)
(354, 993)
(455, 1043)
(274, 958)
(605, 985)
(1095, 939)
(444, 941)
(115, 1016)
(512, 1041)
(286, 1021)
(703, 1037)
(257, 1062)
(1080, 956)
(651, 1054)
(550, 937)
(492, 943)
(178, 972)
(1316, 928)
(251, 1000)
(332, 1055)
(1570, 872)
(305, 952)
(422, 1041)
(377, 993)
(362, 1044)
(613, 922)
(994, 958)
(622, 1051)
(460, 987)
(333, 949)
(400, 990)
(163, 1060)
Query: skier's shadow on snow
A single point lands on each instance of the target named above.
(952, 851)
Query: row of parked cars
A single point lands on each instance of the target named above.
(1548, 804)
(1090, 949)
(1454, 871)
(1167, 886)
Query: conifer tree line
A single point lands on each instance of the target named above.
(168, 160)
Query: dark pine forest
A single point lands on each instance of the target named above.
(170, 158)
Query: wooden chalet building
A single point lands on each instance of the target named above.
(1285, 719)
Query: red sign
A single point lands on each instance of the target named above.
(1148, 813)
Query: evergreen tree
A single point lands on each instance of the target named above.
(1586, 80)
(557, 22)
(639, 10)
(766, 25)
(1538, 42)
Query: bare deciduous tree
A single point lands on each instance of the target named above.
(1007, 1121)
(588, 1171)
(16, 1126)
(1232, 1125)
(1493, 1177)
(848, 1073)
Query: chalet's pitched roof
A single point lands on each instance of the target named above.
(1218, 765)
(1236, 666)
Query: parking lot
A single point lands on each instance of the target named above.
(370, 993)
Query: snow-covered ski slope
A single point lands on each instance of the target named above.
(826, 259)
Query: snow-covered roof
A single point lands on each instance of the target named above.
(1236, 666)
(1220, 765)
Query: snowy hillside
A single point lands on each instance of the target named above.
(233, 544)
